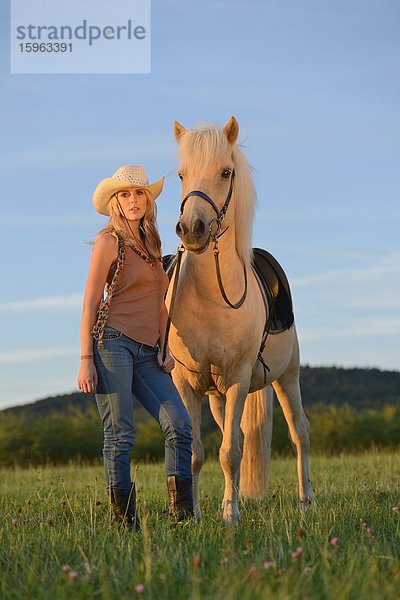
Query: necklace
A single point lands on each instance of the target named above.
(146, 257)
(150, 260)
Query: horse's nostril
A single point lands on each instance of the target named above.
(181, 229)
(199, 228)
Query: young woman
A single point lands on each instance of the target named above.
(122, 338)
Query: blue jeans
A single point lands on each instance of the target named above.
(126, 368)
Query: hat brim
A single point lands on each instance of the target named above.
(109, 186)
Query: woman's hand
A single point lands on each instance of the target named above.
(87, 377)
(168, 364)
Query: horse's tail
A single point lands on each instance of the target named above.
(256, 425)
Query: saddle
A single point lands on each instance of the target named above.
(169, 262)
(274, 288)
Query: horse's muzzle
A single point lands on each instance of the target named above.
(196, 238)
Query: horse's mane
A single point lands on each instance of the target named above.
(206, 146)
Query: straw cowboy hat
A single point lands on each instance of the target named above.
(123, 178)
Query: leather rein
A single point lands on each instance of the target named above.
(214, 228)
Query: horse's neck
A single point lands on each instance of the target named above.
(201, 271)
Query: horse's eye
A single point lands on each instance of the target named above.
(226, 173)
(180, 176)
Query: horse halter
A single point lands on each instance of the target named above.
(220, 213)
(216, 233)
(214, 236)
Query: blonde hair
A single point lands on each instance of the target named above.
(117, 224)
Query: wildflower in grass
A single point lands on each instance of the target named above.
(196, 562)
(72, 576)
(395, 509)
(224, 561)
(335, 541)
(66, 568)
(297, 553)
(139, 588)
(307, 569)
(14, 522)
(268, 564)
(370, 532)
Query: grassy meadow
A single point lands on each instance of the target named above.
(57, 539)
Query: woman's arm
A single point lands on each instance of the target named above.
(104, 253)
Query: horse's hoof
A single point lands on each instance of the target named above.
(306, 503)
(231, 517)
(231, 522)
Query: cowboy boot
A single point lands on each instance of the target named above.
(180, 498)
(124, 507)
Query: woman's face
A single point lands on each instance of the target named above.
(133, 202)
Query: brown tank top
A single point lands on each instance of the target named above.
(137, 301)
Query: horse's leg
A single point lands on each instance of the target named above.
(193, 405)
(217, 407)
(287, 388)
(231, 450)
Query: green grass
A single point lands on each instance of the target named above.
(57, 523)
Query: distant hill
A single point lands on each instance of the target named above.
(360, 388)
(348, 409)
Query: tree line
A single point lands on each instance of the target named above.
(356, 409)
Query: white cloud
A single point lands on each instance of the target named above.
(387, 271)
(364, 328)
(71, 301)
(13, 357)
(358, 306)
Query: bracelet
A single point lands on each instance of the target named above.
(83, 356)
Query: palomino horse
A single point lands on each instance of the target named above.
(219, 319)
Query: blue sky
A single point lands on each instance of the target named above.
(315, 88)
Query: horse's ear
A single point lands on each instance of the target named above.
(178, 130)
(231, 130)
